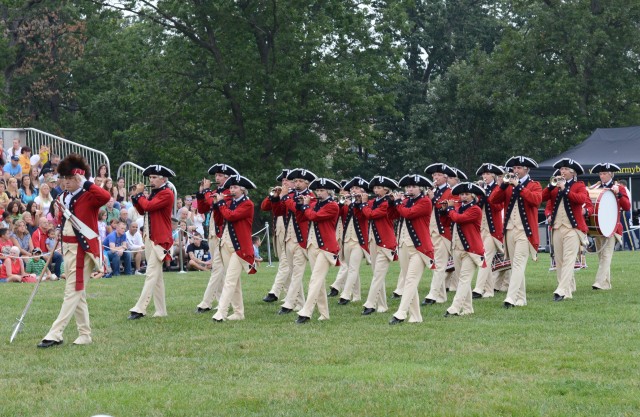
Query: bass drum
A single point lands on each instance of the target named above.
(604, 219)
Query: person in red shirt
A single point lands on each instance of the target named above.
(322, 245)
(466, 244)
(236, 246)
(158, 237)
(82, 254)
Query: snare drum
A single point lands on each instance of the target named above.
(499, 263)
(604, 219)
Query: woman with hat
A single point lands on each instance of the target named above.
(568, 225)
(382, 241)
(467, 247)
(236, 246)
(322, 245)
(415, 249)
(606, 245)
(522, 197)
(157, 210)
(490, 229)
(204, 199)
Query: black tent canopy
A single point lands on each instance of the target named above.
(620, 146)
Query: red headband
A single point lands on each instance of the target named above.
(77, 171)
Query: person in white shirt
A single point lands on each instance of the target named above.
(135, 245)
(15, 150)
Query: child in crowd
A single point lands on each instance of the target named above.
(50, 242)
(256, 249)
(36, 264)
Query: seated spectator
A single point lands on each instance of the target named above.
(198, 253)
(180, 241)
(136, 246)
(4, 223)
(21, 238)
(5, 241)
(256, 249)
(36, 264)
(28, 192)
(13, 192)
(25, 160)
(44, 200)
(28, 220)
(39, 240)
(12, 169)
(116, 242)
(112, 212)
(124, 218)
(4, 198)
(12, 268)
(15, 211)
(102, 225)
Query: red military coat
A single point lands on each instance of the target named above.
(417, 213)
(361, 230)
(442, 219)
(469, 221)
(85, 206)
(275, 206)
(323, 216)
(577, 196)
(530, 197)
(205, 204)
(380, 214)
(496, 210)
(239, 219)
(623, 202)
(295, 214)
(159, 206)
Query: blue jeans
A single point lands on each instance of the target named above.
(57, 260)
(114, 260)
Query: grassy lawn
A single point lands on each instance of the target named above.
(579, 357)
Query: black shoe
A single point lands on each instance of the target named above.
(135, 316)
(333, 293)
(395, 321)
(494, 290)
(302, 319)
(217, 320)
(446, 289)
(270, 298)
(48, 343)
(593, 287)
(201, 310)
(368, 311)
(508, 305)
(343, 301)
(396, 295)
(428, 302)
(447, 314)
(285, 310)
(476, 295)
(557, 297)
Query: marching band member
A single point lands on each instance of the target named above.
(569, 229)
(467, 247)
(297, 228)
(205, 202)
(440, 230)
(83, 199)
(322, 246)
(451, 281)
(355, 241)
(414, 242)
(522, 196)
(338, 285)
(606, 245)
(156, 208)
(502, 277)
(490, 229)
(273, 204)
(236, 246)
(382, 240)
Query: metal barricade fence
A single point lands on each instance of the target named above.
(132, 174)
(35, 138)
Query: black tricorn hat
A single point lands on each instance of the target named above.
(604, 167)
(383, 181)
(343, 183)
(301, 173)
(283, 174)
(467, 187)
(459, 174)
(441, 168)
(569, 163)
(521, 161)
(357, 182)
(415, 179)
(223, 169)
(238, 180)
(325, 184)
(73, 164)
(491, 168)
(160, 170)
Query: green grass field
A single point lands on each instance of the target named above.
(578, 357)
